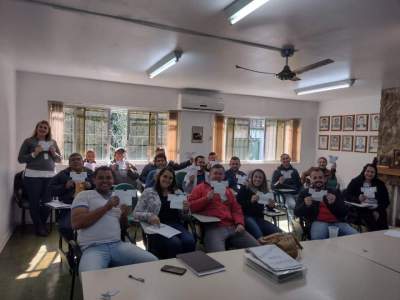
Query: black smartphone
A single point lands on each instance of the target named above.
(173, 270)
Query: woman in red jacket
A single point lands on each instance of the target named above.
(204, 200)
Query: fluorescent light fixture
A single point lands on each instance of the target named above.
(241, 8)
(164, 63)
(325, 87)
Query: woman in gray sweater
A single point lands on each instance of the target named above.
(40, 153)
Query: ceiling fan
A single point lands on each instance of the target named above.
(287, 74)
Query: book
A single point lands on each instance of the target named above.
(200, 263)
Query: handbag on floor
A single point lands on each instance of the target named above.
(286, 241)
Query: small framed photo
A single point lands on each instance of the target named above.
(334, 142)
(360, 144)
(374, 122)
(373, 144)
(348, 123)
(396, 159)
(362, 122)
(324, 123)
(323, 142)
(197, 134)
(336, 123)
(347, 143)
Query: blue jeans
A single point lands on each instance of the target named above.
(113, 255)
(258, 227)
(169, 248)
(319, 230)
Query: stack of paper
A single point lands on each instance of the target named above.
(274, 262)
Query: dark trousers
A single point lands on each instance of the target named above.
(37, 192)
(369, 220)
(258, 227)
(64, 224)
(169, 248)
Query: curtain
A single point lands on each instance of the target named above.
(56, 120)
(218, 141)
(172, 135)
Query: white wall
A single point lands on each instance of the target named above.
(349, 163)
(7, 147)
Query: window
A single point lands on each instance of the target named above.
(260, 139)
(104, 130)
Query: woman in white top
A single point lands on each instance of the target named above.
(40, 153)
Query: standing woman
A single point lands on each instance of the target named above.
(154, 208)
(40, 153)
(252, 210)
(367, 188)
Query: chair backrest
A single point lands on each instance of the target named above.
(179, 177)
(18, 189)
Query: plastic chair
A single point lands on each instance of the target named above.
(19, 196)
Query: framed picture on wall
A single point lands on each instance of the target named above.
(347, 143)
(362, 122)
(360, 144)
(373, 144)
(348, 123)
(334, 142)
(374, 122)
(336, 123)
(324, 123)
(197, 134)
(323, 142)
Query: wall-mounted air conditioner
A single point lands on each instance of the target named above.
(200, 102)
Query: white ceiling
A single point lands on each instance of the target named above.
(363, 37)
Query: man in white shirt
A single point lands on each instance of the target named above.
(96, 214)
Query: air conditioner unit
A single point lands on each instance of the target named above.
(198, 102)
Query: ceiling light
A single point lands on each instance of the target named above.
(164, 63)
(325, 87)
(241, 8)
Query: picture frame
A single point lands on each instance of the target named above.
(361, 122)
(347, 143)
(360, 144)
(348, 123)
(334, 142)
(323, 142)
(197, 134)
(324, 123)
(373, 144)
(336, 123)
(374, 122)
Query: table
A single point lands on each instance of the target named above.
(332, 273)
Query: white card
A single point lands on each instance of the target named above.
(213, 163)
(192, 170)
(91, 166)
(125, 197)
(317, 196)
(369, 192)
(287, 174)
(78, 177)
(121, 165)
(176, 201)
(241, 179)
(46, 156)
(219, 187)
(265, 198)
(333, 159)
(46, 145)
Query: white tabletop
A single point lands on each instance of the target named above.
(333, 273)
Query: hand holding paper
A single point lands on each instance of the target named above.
(266, 198)
(176, 201)
(78, 177)
(219, 187)
(45, 145)
(317, 196)
(125, 197)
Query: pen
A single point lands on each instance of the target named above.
(136, 278)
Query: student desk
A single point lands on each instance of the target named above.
(332, 273)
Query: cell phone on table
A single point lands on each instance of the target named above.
(173, 270)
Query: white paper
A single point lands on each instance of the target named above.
(266, 198)
(205, 219)
(393, 233)
(121, 165)
(369, 192)
(317, 196)
(91, 166)
(56, 204)
(332, 159)
(162, 229)
(287, 174)
(213, 163)
(78, 177)
(125, 197)
(176, 201)
(362, 205)
(46, 156)
(241, 179)
(220, 188)
(192, 170)
(46, 145)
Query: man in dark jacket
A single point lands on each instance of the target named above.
(66, 185)
(235, 177)
(323, 207)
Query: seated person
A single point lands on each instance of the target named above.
(154, 208)
(124, 171)
(90, 160)
(96, 214)
(367, 188)
(171, 164)
(331, 180)
(160, 162)
(195, 175)
(230, 229)
(233, 173)
(322, 210)
(253, 211)
(211, 160)
(287, 177)
(65, 188)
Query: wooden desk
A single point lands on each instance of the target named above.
(333, 273)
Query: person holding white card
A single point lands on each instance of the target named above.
(160, 162)
(249, 197)
(196, 174)
(124, 171)
(230, 230)
(40, 153)
(330, 174)
(90, 160)
(323, 208)
(368, 188)
(235, 177)
(154, 208)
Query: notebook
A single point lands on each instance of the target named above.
(200, 263)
